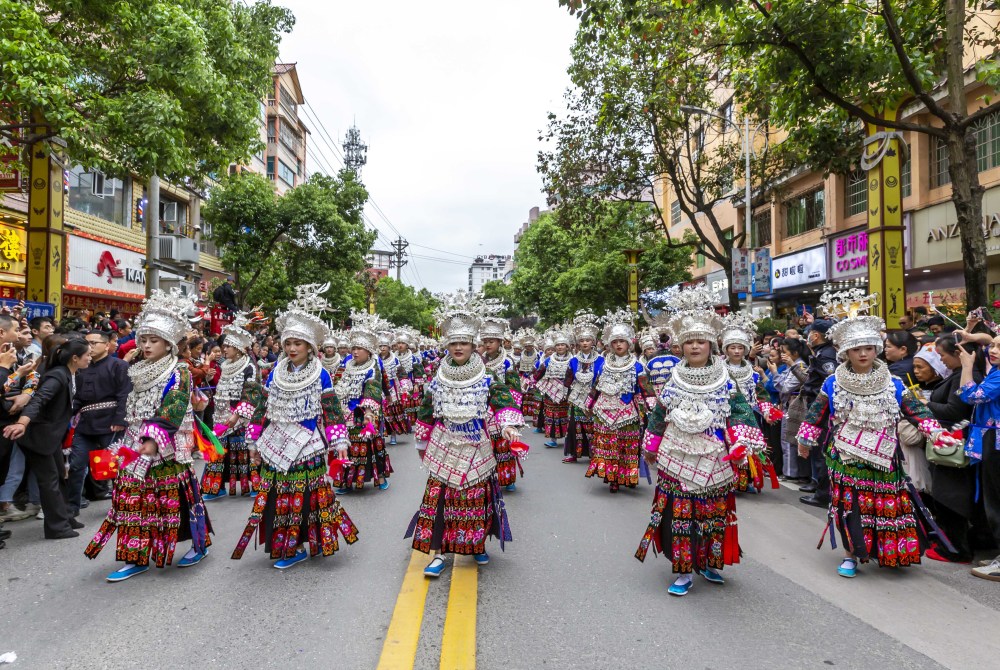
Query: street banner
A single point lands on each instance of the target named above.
(762, 270)
(741, 271)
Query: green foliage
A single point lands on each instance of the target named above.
(314, 233)
(564, 264)
(405, 306)
(143, 86)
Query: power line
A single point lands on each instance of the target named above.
(442, 251)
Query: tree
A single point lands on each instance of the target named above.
(565, 264)
(404, 306)
(314, 233)
(143, 86)
(817, 68)
(627, 132)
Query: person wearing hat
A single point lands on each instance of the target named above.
(700, 426)
(362, 390)
(618, 402)
(659, 365)
(463, 501)
(580, 382)
(330, 357)
(854, 420)
(393, 408)
(238, 394)
(157, 487)
(551, 383)
(738, 331)
(292, 434)
(822, 364)
(412, 377)
(530, 405)
(499, 366)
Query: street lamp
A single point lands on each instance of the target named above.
(747, 138)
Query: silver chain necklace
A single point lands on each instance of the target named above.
(618, 376)
(352, 382)
(230, 386)
(556, 368)
(149, 379)
(460, 392)
(294, 395)
(867, 400)
(697, 399)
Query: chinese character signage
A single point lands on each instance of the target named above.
(849, 255)
(13, 246)
(762, 271)
(804, 267)
(741, 270)
(31, 309)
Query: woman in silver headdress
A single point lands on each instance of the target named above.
(238, 394)
(500, 368)
(393, 407)
(156, 502)
(856, 415)
(411, 373)
(700, 427)
(550, 378)
(530, 402)
(462, 502)
(580, 382)
(618, 403)
(299, 423)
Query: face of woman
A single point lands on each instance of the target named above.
(360, 354)
(774, 357)
(491, 345)
(586, 345)
(620, 347)
(649, 352)
(923, 371)
(994, 352)
(231, 353)
(383, 350)
(894, 353)
(197, 350)
(735, 353)
(951, 361)
(561, 349)
(696, 352)
(792, 354)
(460, 352)
(861, 358)
(297, 350)
(153, 348)
(81, 362)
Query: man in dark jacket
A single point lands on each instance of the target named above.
(225, 295)
(10, 405)
(101, 392)
(822, 365)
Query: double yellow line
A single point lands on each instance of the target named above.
(458, 643)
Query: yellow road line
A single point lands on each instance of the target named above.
(399, 651)
(458, 646)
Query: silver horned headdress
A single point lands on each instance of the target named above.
(301, 319)
(165, 315)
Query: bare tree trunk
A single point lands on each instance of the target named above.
(966, 191)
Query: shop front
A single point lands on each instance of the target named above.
(13, 265)
(797, 281)
(937, 271)
(102, 275)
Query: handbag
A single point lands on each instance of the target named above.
(103, 464)
(947, 456)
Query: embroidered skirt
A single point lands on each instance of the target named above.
(458, 521)
(530, 402)
(397, 422)
(694, 530)
(295, 507)
(152, 514)
(369, 461)
(874, 513)
(234, 466)
(581, 427)
(614, 454)
(507, 461)
(556, 419)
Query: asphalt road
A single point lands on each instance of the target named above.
(567, 593)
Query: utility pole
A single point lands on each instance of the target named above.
(398, 262)
(153, 236)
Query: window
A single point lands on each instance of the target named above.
(272, 131)
(287, 101)
(286, 173)
(726, 112)
(96, 194)
(173, 217)
(856, 193)
(939, 163)
(675, 213)
(298, 166)
(699, 260)
(988, 142)
(804, 213)
(289, 138)
(905, 186)
(761, 225)
(270, 168)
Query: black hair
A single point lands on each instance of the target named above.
(37, 322)
(7, 321)
(63, 353)
(795, 345)
(103, 334)
(948, 344)
(904, 338)
(120, 323)
(936, 320)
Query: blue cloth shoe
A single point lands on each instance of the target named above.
(510, 487)
(392, 440)
(286, 563)
(680, 589)
(539, 430)
(214, 496)
(192, 558)
(384, 485)
(342, 491)
(482, 559)
(712, 576)
(849, 568)
(126, 572)
(435, 568)
(551, 444)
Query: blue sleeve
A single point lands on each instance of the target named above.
(827, 388)
(899, 390)
(325, 380)
(981, 394)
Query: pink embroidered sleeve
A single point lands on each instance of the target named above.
(370, 404)
(422, 431)
(244, 410)
(509, 416)
(929, 427)
(651, 441)
(164, 443)
(336, 435)
(750, 437)
(808, 433)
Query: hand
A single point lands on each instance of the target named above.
(18, 403)
(510, 434)
(8, 356)
(148, 448)
(342, 453)
(650, 456)
(130, 356)
(786, 358)
(27, 369)
(756, 349)
(14, 431)
(773, 367)
(255, 457)
(233, 420)
(117, 429)
(968, 358)
(809, 317)
(803, 450)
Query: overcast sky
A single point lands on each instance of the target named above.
(450, 96)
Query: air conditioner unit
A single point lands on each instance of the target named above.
(186, 287)
(178, 249)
